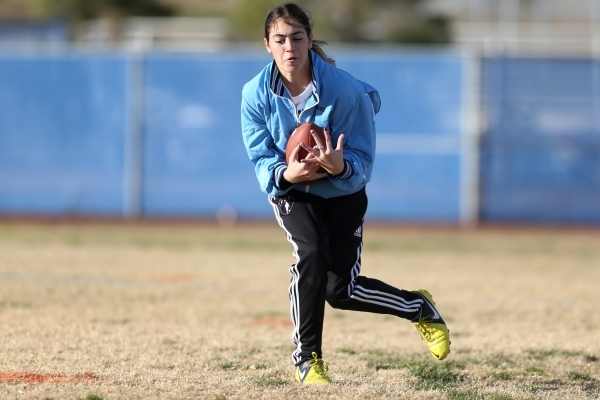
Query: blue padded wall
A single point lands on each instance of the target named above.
(195, 162)
(540, 154)
(194, 158)
(68, 123)
(63, 122)
(417, 173)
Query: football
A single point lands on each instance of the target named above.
(302, 135)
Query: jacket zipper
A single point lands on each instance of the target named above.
(297, 118)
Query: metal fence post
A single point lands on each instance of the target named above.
(470, 139)
(133, 207)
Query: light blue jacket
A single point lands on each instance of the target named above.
(339, 102)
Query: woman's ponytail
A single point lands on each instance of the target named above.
(317, 47)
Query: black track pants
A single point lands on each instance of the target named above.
(327, 239)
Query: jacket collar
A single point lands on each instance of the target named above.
(276, 83)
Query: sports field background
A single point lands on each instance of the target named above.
(171, 311)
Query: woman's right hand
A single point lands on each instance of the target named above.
(299, 171)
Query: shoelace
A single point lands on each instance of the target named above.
(422, 327)
(318, 365)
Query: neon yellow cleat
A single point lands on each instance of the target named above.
(432, 327)
(313, 372)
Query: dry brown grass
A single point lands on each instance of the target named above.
(201, 311)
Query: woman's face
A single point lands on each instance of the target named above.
(289, 46)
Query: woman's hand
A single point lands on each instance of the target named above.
(300, 171)
(324, 155)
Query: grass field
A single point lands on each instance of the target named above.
(186, 311)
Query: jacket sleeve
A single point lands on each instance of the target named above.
(354, 118)
(261, 149)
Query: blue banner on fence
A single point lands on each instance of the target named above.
(195, 163)
(62, 134)
(69, 125)
(541, 149)
(417, 173)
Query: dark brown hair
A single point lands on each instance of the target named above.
(294, 15)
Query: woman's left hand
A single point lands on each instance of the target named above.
(332, 160)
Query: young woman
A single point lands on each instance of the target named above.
(323, 220)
